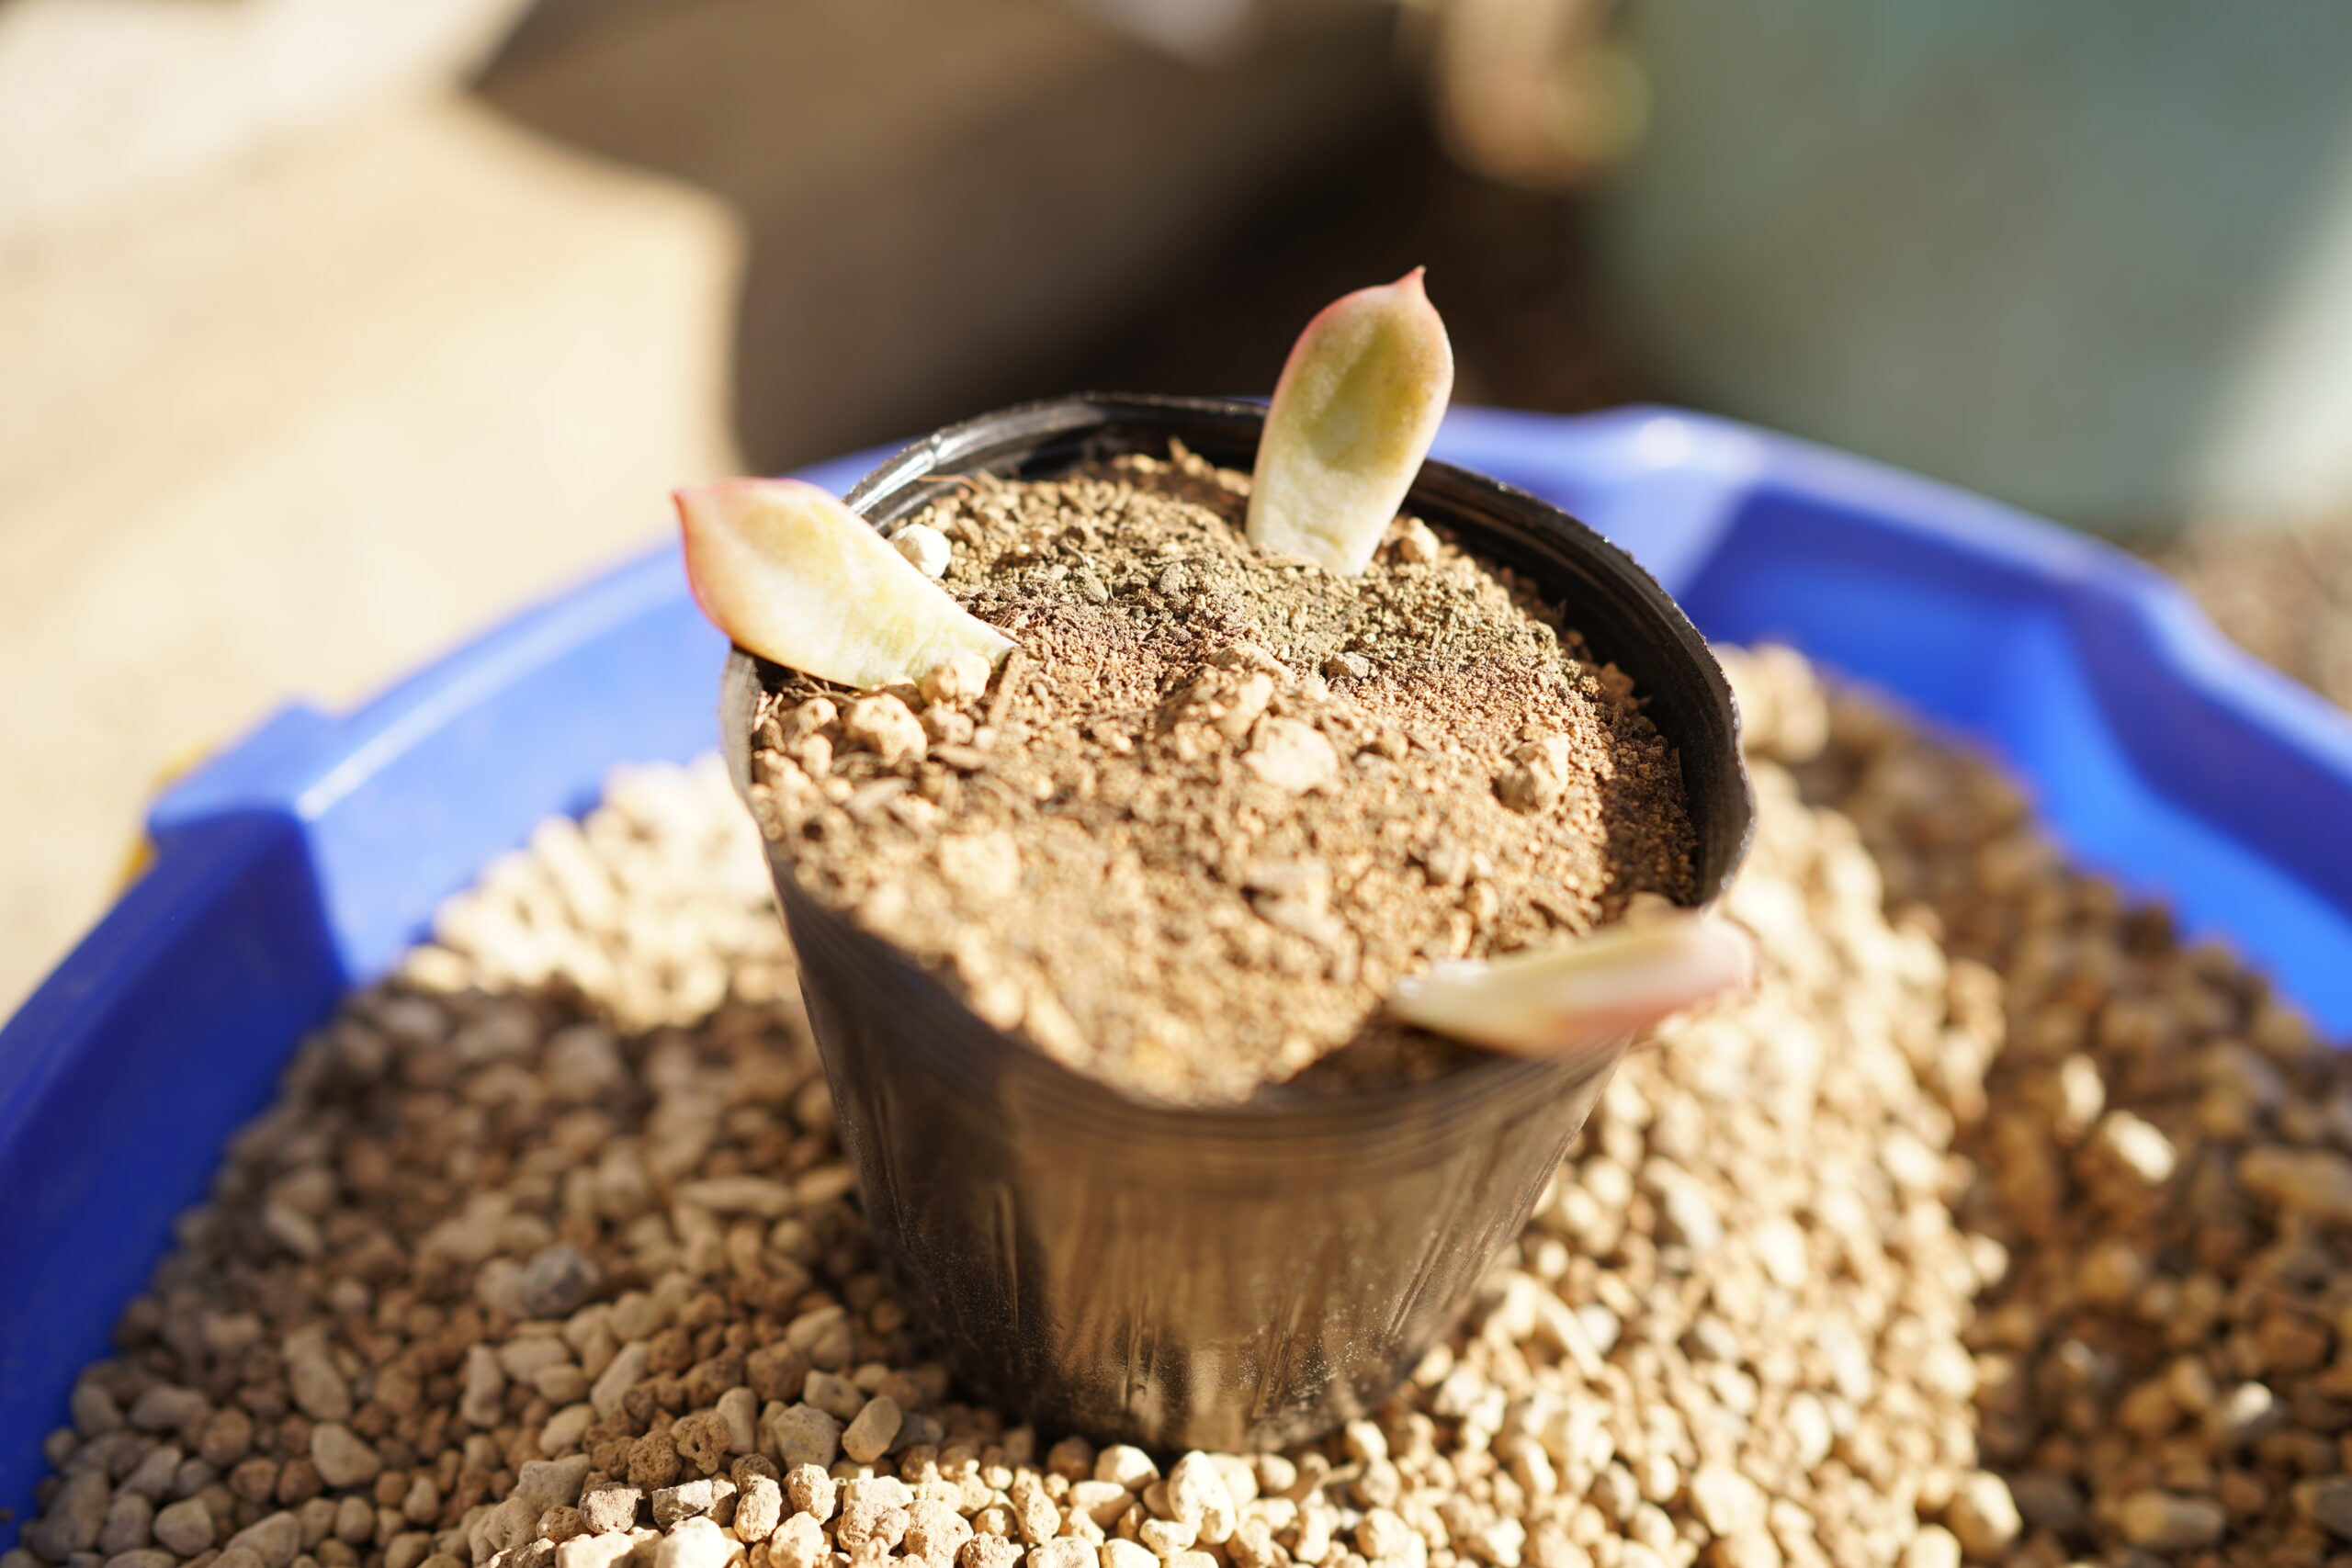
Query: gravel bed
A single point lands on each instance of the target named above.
(1996, 1226)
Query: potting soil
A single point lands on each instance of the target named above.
(1218, 802)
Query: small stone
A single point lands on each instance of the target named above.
(610, 1507)
(1726, 1502)
(167, 1407)
(654, 1461)
(935, 1532)
(957, 682)
(696, 1543)
(1293, 757)
(798, 1542)
(297, 1482)
(947, 728)
(2316, 1182)
(1751, 1548)
(566, 1428)
(926, 547)
(2244, 1414)
(129, 1520)
(226, 1439)
(689, 1500)
(1984, 1516)
(834, 1394)
(74, 1518)
(318, 1385)
(590, 1551)
(2326, 1502)
(1416, 542)
(1063, 1551)
(882, 1491)
(739, 1411)
(274, 1540)
(868, 1527)
(1167, 1537)
(1346, 667)
(1537, 776)
(1385, 1537)
(1102, 1501)
(343, 1456)
(812, 1492)
(1125, 1465)
(559, 1281)
(702, 1442)
(544, 1484)
(2048, 1501)
(2135, 1148)
(186, 1527)
(1932, 1547)
(869, 1437)
(481, 1399)
(886, 727)
(802, 1434)
(810, 718)
(2167, 1522)
(1197, 1496)
(1690, 1216)
(759, 1509)
(504, 1526)
(93, 1410)
(621, 1374)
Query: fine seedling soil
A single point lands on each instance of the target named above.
(1218, 802)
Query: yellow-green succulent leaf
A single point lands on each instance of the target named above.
(796, 577)
(1352, 417)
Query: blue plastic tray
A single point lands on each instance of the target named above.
(302, 862)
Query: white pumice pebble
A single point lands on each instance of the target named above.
(884, 726)
(926, 547)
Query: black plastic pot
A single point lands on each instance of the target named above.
(1220, 1278)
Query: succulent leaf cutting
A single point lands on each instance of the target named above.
(797, 578)
(1583, 995)
(1353, 415)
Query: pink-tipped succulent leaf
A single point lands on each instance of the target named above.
(797, 578)
(1583, 996)
(1353, 415)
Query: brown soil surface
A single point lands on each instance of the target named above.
(1218, 802)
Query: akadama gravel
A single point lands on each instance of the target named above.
(1997, 1226)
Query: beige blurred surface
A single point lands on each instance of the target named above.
(107, 102)
(320, 355)
(294, 433)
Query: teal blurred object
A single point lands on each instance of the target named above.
(2094, 258)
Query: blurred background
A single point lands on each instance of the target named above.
(331, 330)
